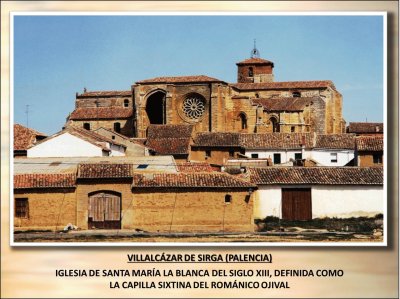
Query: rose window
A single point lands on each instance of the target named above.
(193, 107)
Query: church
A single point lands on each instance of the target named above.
(256, 103)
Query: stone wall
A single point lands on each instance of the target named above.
(126, 125)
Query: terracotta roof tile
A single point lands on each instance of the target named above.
(336, 141)
(103, 170)
(169, 131)
(285, 104)
(108, 93)
(189, 180)
(370, 143)
(180, 79)
(169, 146)
(194, 167)
(283, 85)
(217, 139)
(361, 127)
(39, 180)
(254, 61)
(25, 137)
(317, 175)
(276, 140)
(101, 113)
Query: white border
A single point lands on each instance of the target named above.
(191, 244)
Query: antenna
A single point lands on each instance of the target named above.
(255, 53)
(27, 115)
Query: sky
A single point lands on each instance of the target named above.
(57, 56)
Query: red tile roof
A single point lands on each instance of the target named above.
(103, 170)
(169, 146)
(194, 167)
(101, 113)
(169, 131)
(25, 137)
(181, 79)
(39, 180)
(189, 180)
(370, 143)
(255, 61)
(317, 175)
(336, 141)
(276, 140)
(285, 104)
(364, 127)
(109, 93)
(217, 139)
(284, 85)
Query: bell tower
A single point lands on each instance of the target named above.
(255, 69)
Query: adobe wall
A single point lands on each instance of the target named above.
(126, 125)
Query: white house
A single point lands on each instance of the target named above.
(334, 149)
(304, 193)
(74, 142)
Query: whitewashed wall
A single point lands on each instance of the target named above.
(65, 145)
(285, 155)
(324, 157)
(117, 150)
(327, 201)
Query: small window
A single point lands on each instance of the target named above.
(86, 126)
(243, 120)
(334, 157)
(126, 103)
(208, 154)
(21, 208)
(277, 158)
(296, 94)
(298, 156)
(117, 127)
(257, 95)
(292, 129)
(228, 199)
(251, 74)
(247, 199)
(231, 153)
(113, 137)
(142, 166)
(377, 158)
(255, 156)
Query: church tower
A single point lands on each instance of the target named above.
(255, 69)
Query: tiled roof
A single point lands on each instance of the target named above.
(181, 79)
(336, 141)
(25, 137)
(169, 146)
(254, 61)
(217, 139)
(109, 93)
(370, 143)
(276, 140)
(284, 104)
(317, 175)
(101, 113)
(40, 180)
(103, 170)
(283, 85)
(360, 127)
(169, 131)
(194, 167)
(189, 180)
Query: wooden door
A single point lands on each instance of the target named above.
(104, 211)
(296, 204)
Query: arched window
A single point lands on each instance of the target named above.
(117, 127)
(228, 198)
(86, 126)
(296, 94)
(275, 125)
(251, 74)
(126, 103)
(243, 120)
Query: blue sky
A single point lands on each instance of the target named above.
(57, 56)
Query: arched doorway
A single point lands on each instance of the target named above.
(155, 108)
(243, 120)
(275, 125)
(104, 210)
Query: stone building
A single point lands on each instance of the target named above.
(254, 104)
